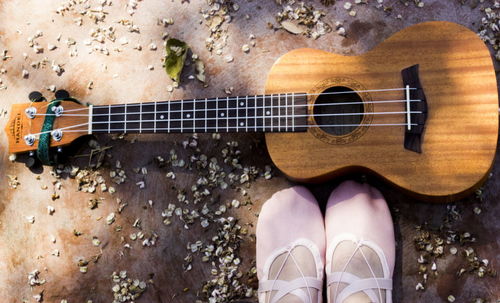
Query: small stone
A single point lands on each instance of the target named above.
(110, 218)
(451, 298)
(245, 48)
(96, 241)
(419, 286)
(235, 203)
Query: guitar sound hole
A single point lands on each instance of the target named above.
(330, 108)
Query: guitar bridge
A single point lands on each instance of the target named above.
(416, 109)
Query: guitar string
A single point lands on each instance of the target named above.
(233, 108)
(286, 116)
(274, 129)
(265, 116)
(272, 116)
(234, 98)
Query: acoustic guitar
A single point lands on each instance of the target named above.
(420, 110)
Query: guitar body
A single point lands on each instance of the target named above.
(460, 137)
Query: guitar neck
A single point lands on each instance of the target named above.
(285, 112)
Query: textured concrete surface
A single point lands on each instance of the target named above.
(25, 247)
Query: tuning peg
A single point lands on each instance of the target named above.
(62, 94)
(36, 96)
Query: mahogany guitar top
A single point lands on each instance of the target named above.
(460, 137)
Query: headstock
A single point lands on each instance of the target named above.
(26, 121)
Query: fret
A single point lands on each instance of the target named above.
(140, 118)
(100, 119)
(233, 114)
(246, 113)
(117, 118)
(237, 114)
(259, 113)
(109, 119)
(200, 111)
(132, 118)
(168, 117)
(255, 112)
(182, 115)
(175, 114)
(147, 117)
(125, 120)
(279, 112)
(286, 112)
(221, 117)
(187, 115)
(293, 112)
(161, 116)
(263, 114)
(272, 113)
(206, 116)
(211, 117)
(154, 118)
(217, 114)
(227, 114)
(269, 112)
(241, 121)
(194, 115)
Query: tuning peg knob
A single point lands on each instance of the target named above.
(36, 96)
(62, 94)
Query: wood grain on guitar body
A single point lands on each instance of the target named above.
(420, 110)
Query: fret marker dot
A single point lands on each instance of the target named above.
(268, 113)
(162, 117)
(241, 103)
(188, 116)
(242, 123)
(222, 114)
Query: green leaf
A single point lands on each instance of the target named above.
(176, 56)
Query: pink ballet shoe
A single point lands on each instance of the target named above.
(360, 245)
(290, 248)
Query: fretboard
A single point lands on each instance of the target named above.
(257, 113)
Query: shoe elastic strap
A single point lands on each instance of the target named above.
(356, 284)
(290, 287)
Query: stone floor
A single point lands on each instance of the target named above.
(124, 77)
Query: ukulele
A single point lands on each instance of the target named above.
(420, 110)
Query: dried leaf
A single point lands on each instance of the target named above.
(200, 70)
(175, 58)
(292, 27)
